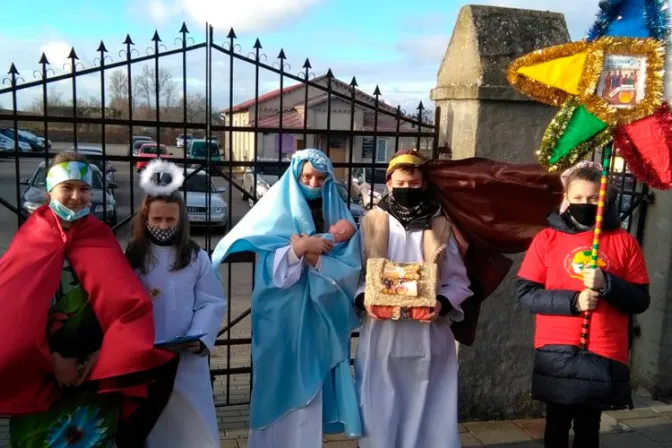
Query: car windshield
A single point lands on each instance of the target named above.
(27, 134)
(152, 149)
(197, 183)
(198, 149)
(39, 179)
(97, 163)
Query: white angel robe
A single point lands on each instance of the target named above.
(406, 371)
(186, 302)
(301, 428)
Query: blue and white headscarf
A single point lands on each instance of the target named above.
(301, 334)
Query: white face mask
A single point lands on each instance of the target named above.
(67, 214)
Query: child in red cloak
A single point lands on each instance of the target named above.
(77, 324)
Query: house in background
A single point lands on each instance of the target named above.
(315, 114)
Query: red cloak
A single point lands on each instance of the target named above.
(495, 208)
(30, 272)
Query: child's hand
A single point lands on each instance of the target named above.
(88, 367)
(593, 278)
(65, 370)
(316, 245)
(312, 259)
(588, 300)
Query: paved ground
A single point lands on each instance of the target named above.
(648, 426)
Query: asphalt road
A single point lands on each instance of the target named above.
(241, 273)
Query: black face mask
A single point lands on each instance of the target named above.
(408, 197)
(584, 214)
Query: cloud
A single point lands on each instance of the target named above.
(426, 49)
(57, 53)
(158, 11)
(243, 16)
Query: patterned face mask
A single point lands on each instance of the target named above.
(163, 236)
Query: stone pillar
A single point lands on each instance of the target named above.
(651, 360)
(482, 116)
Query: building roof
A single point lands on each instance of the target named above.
(290, 120)
(269, 96)
(318, 80)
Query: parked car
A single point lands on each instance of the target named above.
(197, 150)
(136, 143)
(35, 145)
(182, 138)
(7, 144)
(95, 151)
(46, 143)
(356, 208)
(150, 151)
(35, 195)
(267, 175)
(362, 177)
(196, 190)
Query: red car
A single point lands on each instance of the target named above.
(150, 151)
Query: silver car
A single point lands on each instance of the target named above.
(196, 191)
(35, 195)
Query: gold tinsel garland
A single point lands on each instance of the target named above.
(536, 90)
(556, 129)
(653, 51)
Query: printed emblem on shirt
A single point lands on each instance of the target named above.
(580, 258)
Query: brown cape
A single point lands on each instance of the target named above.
(495, 208)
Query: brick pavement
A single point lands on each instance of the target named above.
(648, 426)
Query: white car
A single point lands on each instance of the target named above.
(7, 145)
(195, 191)
(181, 139)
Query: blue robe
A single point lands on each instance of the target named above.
(301, 334)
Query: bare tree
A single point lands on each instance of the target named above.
(146, 87)
(54, 99)
(196, 108)
(118, 86)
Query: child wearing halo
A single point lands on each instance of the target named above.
(188, 303)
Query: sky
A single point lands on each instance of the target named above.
(395, 44)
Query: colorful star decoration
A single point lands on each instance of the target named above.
(609, 88)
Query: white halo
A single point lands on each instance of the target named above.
(158, 166)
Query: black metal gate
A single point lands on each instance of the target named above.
(74, 121)
(118, 118)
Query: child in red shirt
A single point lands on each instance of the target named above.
(557, 284)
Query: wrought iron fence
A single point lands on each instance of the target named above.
(398, 126)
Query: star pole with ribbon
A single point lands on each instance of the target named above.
(609, 88)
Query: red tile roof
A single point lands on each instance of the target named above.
(270, 95)
(290, 120)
